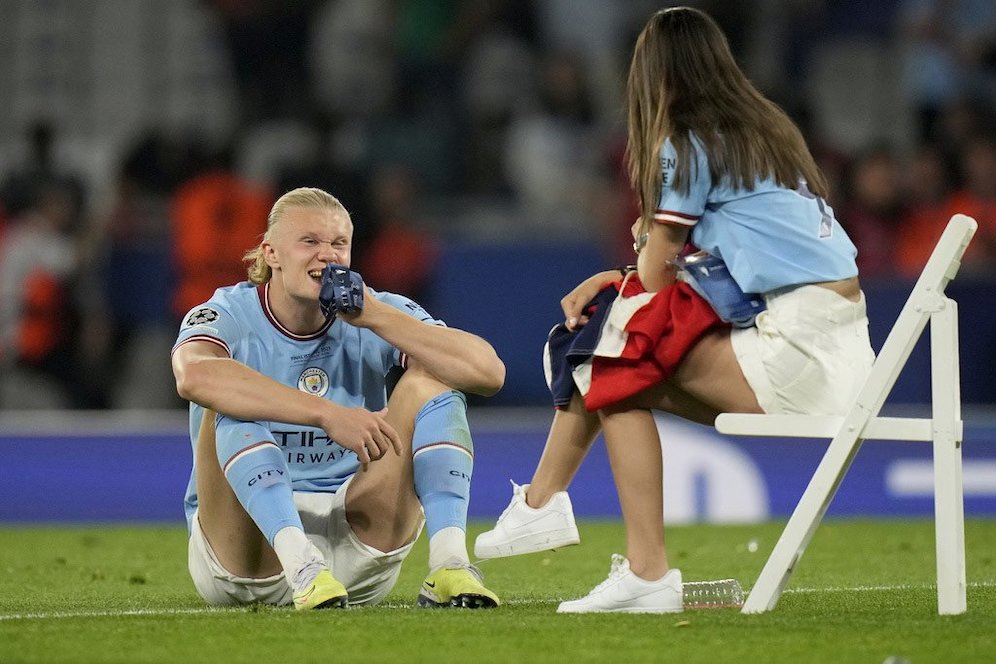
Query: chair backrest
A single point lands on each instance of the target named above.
(927, 296)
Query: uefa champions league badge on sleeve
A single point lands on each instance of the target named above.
(710, 277)
(202, 316)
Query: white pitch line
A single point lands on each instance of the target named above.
(902, 586)
(60, 615)
(118, 614)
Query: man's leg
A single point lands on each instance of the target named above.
(247, 514)
(235, 539)
(385, 502)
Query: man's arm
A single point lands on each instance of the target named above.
(207, 376)
(460, 359)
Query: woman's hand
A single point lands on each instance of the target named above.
(574, 302)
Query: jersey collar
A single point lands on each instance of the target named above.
(263, 291)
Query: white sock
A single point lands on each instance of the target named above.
(448, 546)
(301, 560)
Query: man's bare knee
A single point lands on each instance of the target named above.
(415, 388)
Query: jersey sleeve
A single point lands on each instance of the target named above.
(411, 308)
(212, 323)
(681, 208)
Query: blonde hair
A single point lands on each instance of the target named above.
(683, 79)
(302, 197)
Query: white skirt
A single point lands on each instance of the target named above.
(808, 353)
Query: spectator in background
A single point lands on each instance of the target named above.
(977, 198)
(497, 83)
(136, 276)
(214, 215)
(873, 210)
(950, 56)
(38, 264)
(927, 187)
(961, 122)
(267, 44)
(402, 253)
(21, 189)
(46, 309)
(549, 159)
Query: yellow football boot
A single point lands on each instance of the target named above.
(456, 586)
(325, 592)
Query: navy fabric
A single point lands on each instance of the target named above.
(569, 349)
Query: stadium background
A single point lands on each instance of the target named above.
(478, 145)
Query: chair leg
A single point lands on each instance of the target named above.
(807, 515)
(949, 503)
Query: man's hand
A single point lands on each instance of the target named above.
(342, 291)
(365, 432)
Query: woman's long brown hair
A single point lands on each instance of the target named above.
(683, 79)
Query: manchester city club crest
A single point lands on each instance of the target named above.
(202, 317)
(313, 381)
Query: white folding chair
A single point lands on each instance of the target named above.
(926, 302)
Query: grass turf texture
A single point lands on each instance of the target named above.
(863, 592)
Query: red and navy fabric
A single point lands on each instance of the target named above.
(655, 338)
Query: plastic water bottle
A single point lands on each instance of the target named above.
(721, 594)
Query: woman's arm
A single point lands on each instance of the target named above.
(654, 261)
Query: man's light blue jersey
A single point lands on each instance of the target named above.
(339, 362)
(770, 237)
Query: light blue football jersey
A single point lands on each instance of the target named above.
(339, 362)
(770, 237)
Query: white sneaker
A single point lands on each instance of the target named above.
(523, 529)
(624, 592)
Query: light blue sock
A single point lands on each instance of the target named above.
(443, 461)
(258, 473)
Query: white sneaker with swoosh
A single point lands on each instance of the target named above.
(625, 592)
(522, 529)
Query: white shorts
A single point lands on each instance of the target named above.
(368, 574)
(808, 353)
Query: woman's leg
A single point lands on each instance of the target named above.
(571, 434)
(707, 382)
(634, 449)
(541, 517)
(711, 374)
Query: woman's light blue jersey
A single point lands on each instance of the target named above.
(770, 237)
(339, 362)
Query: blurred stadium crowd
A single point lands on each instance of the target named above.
(143, 142)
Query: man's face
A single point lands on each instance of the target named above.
(300, 245)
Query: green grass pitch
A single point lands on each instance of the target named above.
(863, 592)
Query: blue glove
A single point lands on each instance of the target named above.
(342, 291)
